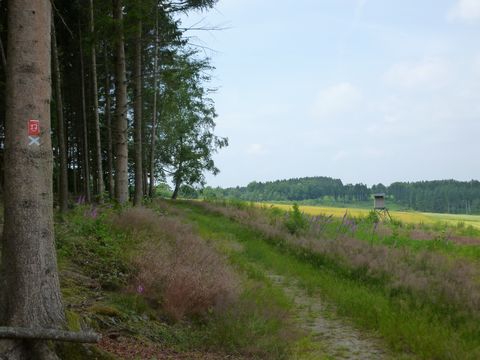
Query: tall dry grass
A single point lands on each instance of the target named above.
(176, 270)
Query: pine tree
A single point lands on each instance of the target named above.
(28, 251)
(120, 124)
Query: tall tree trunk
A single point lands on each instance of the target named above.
(74, 169)
(86, 162)
(176, 190)
(73, 164)
(137, 200)
(3, 58)
(108, 122)
(30, 289)
(3, 61)
(62, 148)
(144, 172)
(96, 120)
(120, 124)
(154, 120)
(177, 178)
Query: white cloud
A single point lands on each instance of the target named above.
(465, 10)
(429, 73)
(256, 149)
(336, 100)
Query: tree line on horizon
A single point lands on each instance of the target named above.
(445, 196)
(131, 104)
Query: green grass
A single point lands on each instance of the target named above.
(438, 245)
(407, 326)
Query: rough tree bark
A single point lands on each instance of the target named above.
(86, 162)
(137, 74)
(62, 147)
(2, 55)
(108, 123)
(178, 183)
(151, 189)
(145, 175)
(30, 290)
(96, 120)
(120, 124)
(74, 170)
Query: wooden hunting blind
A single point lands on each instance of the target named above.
(379, 206)
(379, 201)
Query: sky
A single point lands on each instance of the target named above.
(370, 91)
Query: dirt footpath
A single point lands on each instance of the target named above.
(339, 340)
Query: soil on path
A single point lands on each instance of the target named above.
(338, 339)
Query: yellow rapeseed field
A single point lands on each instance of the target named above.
(404, 216)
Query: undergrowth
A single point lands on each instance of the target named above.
(145, 275)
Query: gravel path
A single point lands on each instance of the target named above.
(339, 339)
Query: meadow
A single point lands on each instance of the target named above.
(410, 217)
(420, 295)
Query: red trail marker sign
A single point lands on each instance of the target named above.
(34, 132)
(33, 127)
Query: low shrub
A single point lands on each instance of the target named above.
(296, 222)
(137, 219)
(372, 217)
(177, 271)
(258, 324)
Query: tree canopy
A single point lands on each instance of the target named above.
(133, 102)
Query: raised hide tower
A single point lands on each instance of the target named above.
(379, 206)
(379, 201)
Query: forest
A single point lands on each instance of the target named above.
(131, 102)
(443, 196)
(99, 102)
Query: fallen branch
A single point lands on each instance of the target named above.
(48, 334)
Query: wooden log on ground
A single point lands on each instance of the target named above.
(48, 334)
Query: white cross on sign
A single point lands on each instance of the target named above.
(34, 140)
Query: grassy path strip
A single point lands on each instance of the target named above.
(340, 340)
(407, 328)
(328, 336)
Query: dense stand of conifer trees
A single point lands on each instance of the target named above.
(94, 95)
(130, 102)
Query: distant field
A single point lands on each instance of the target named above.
(407, 217)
